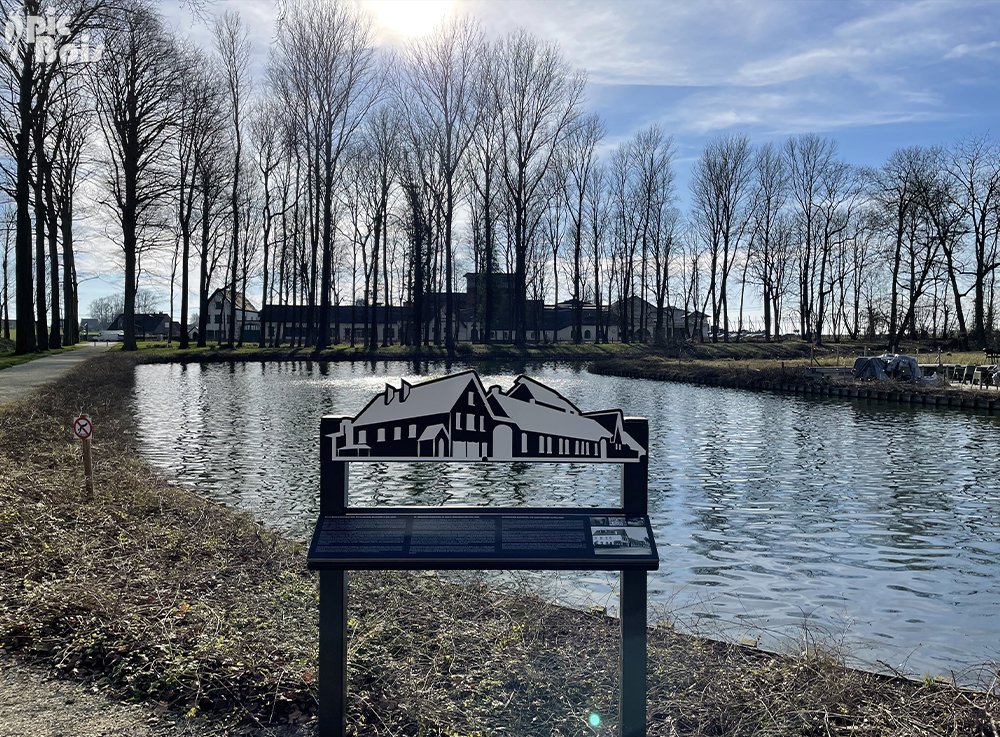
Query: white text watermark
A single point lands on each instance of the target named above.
(53, 39)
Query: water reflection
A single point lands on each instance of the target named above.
(770, 511)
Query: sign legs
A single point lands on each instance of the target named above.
(332, 654)
(632, 693)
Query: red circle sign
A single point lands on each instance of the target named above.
(83, 427)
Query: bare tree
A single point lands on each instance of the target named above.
(838, 195)
(539, 98)
(324, 67)
(134, 86)
(484, 165)
(8, 225)
(974, 166)
(265, 130)
(73, 128)
(807, 158)
(894, 188)
(766, 260)
(439, 75)
(200, 112)
(233, 47)
(721, 189)
(29, 70)
(580, 159)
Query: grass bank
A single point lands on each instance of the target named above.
(796, 366)
(168, 598)
(160, 352)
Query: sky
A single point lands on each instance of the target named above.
(874, 75)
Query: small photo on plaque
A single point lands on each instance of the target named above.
(620, 536)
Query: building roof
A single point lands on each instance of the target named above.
(145, 322)
(529, 405)
(420, 400)
(242, 303)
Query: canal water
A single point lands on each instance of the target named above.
(779, 519)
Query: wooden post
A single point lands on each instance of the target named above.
(333, 481)
(632, 686)
(88, 470)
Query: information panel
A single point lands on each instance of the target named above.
(443, 540)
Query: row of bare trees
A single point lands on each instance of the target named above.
(904, 249)
(343, 174)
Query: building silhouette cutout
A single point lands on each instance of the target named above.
(456, 418)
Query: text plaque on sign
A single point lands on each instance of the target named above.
(475, 541)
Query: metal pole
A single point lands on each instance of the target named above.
(634, 502)
(332, 597)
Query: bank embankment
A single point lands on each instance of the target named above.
(463, 352)
(159, 596)
(796, 378)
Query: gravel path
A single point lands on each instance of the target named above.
(32, 704)
(19, 381)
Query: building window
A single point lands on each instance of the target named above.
(482, 423)
(413, 431)
(524, 444)
(470, 421)
(458, 420)
(472, 397)
(541, 444)
(397, 433)
(381, 434)
(586, 334)
(548, 445)
(362, 437)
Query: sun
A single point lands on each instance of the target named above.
(405, 19)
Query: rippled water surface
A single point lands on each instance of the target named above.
(776, 517)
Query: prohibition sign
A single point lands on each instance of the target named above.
(83, 428)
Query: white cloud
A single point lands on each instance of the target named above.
(962, 50)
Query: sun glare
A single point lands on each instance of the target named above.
(406, 19)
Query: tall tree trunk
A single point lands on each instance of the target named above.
(206, 216)
(40, 311)
(26, 341)
(70, 284)
(52, 226)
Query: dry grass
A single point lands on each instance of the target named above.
(172, 599)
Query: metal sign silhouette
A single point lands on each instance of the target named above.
(454, 418)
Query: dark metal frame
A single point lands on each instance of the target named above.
(334, 480)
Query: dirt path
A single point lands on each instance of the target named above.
(32, 704)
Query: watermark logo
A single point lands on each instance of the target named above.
(53, 38)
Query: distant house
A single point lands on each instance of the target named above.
(148, 326)
(638, 316)
(455, 417)
(220, 317)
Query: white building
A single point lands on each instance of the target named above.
(220, 316)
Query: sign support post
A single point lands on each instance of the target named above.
(83, 428)
(332, 596)
(632, 686)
